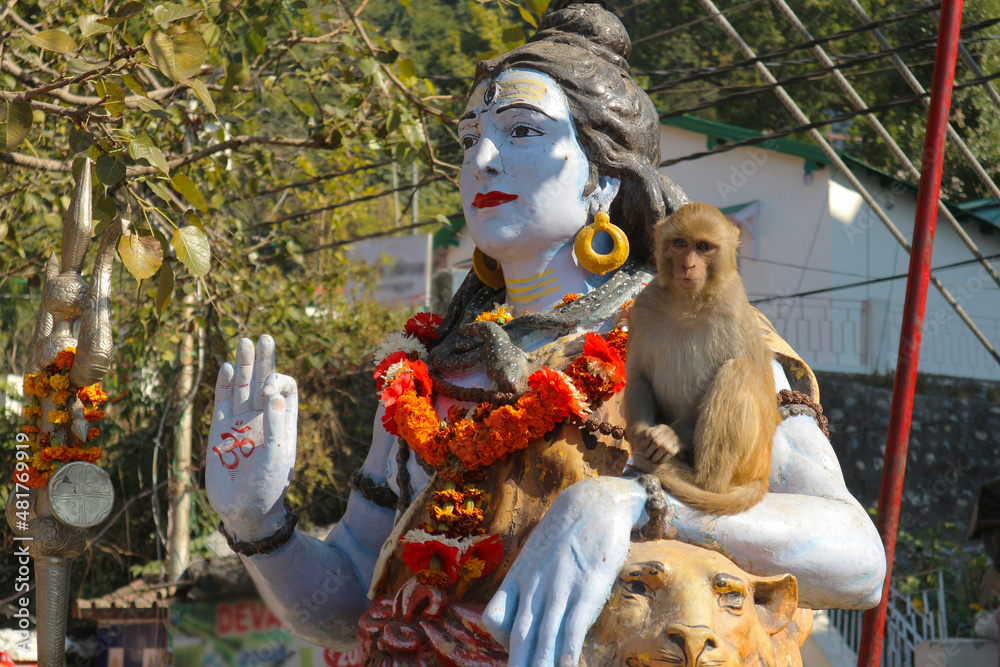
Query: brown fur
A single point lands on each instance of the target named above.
(700, 402)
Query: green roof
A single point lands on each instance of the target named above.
(984, 211)
(716, 131)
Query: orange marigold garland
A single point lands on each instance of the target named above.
(52, 383)
(452, 544)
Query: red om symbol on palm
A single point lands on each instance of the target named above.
(237, 443)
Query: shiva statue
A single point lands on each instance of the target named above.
(495, 509)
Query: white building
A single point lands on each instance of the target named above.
(807, 231)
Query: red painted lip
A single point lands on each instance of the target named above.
(491, 199)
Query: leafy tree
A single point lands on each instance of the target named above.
(251, 140)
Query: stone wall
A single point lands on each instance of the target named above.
(954, 443)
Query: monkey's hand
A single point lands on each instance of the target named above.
(659, 443)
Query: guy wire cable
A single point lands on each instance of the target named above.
(794, 109)
(971, 63)
(923, 43)
(863, 283)
(859, 104)
(664, 33)
(778, 134)
(915, 85)
(805, 45)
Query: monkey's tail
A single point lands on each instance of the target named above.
(739, 499)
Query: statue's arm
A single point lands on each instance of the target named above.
(809, 525)
(320, 587)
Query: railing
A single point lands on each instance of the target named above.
(910, 619)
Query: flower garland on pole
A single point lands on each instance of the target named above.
(452, 544)
(50, 450)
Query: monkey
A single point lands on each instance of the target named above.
(700, 403)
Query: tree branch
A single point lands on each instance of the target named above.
(407, 93)
(27, 95)
(132, 101)
(36, 163)
(173, 163)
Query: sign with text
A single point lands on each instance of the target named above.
(243, 633)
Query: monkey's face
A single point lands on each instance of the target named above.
(696, 247)
(688, 260)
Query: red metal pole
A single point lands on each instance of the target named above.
(913, 317)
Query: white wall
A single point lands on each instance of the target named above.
(815, 232)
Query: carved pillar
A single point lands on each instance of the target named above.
(52, 518)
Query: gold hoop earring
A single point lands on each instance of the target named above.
(490, 277)
(589, 258)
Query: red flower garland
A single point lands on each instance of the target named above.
(453, 544)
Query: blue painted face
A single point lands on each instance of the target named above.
(524, 172)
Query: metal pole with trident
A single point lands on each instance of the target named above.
(59, 492)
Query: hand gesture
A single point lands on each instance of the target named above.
(251, 447)
(561, 579)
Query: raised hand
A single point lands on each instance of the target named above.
(561, 579)
(251, 447)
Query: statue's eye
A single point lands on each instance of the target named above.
(680, 243)
(636, 587)
(468, 141)
(522, 131)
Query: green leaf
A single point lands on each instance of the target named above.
(79, 140)
(368, 66)
(167, 12)
(211, 33)
(161, 191)
(141, 255)
(150, 106)
(513, 36)
(392, 120)
(116, 105)
(189, 189)
(256, 41)
(539, 6)
(387, 57)
(79, 65)
(407, 71)
(165, 288)
(192, 249)
(89, 26)
(105, 210)
(177, 56)
(124, 12)
(142, 147)
(15, 124)
(201, 90)
(109, 170)
(526, 15)
(134, 85)
(53, 40)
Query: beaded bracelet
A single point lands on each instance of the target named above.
(656, 508)
(264, 545)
